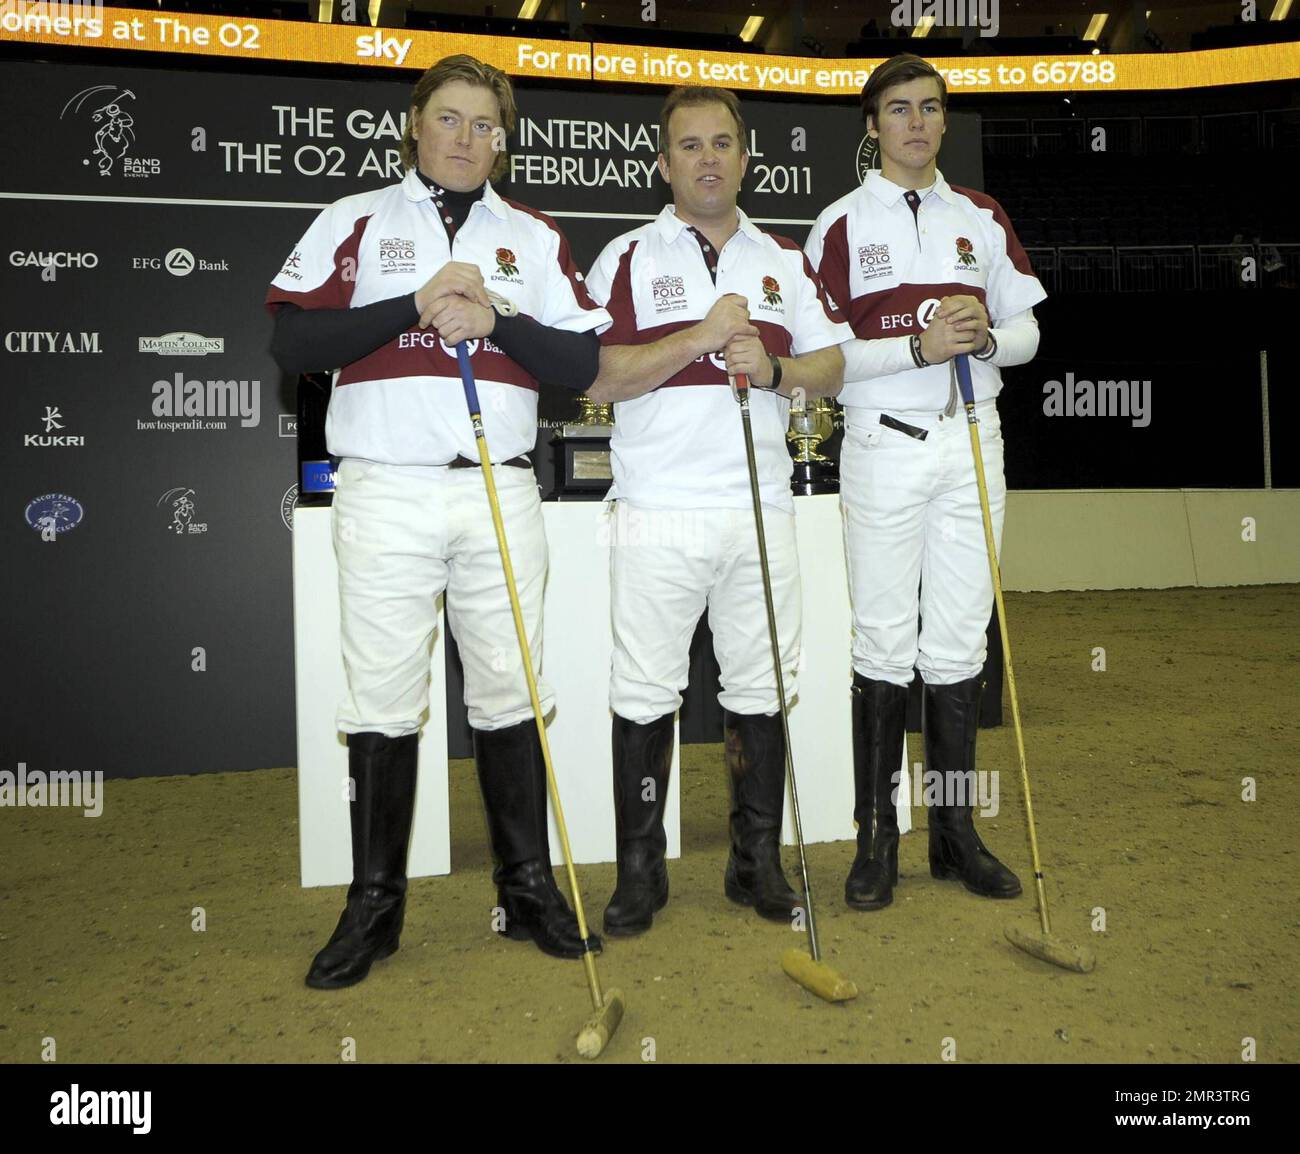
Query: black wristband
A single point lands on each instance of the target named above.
(915, 345)
(775, 362)
(990, 350)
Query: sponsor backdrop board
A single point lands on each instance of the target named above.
(149, 475)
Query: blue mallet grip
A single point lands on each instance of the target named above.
(963, 378)
(467, 379)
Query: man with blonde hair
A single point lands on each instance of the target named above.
(382, 288)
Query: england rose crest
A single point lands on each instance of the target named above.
(771, 290)
(506, 262)
(965, 251)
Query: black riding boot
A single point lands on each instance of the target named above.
(642, 753)
(512, 775)
(755, 752)
(950, 719)
(383, 770)
(879, 722)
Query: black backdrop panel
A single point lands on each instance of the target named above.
(101, 625)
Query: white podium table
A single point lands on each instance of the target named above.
(576, 662)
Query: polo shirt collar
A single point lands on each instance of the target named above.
(416, 189)
(889, 193)
(671, 226)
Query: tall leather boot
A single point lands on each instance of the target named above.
(641, 753)
(950, 719)
(879, 721)
(512, 775)
(755, 752)
(383, 769)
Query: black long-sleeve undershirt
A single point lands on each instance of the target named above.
(316, 340)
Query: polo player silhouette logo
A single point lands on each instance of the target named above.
(181, 506)
(114, 135)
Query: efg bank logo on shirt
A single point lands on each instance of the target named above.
(668, 294)
(911, 322)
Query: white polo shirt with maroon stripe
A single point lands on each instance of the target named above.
(888, 269)
(681, 446)
(404, 403)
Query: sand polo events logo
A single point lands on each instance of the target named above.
(178, 505)
(182, 345)
(103, 115)
(53, 514)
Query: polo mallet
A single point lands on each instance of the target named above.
(807, 969)
(1043, 945)
(607, 1007)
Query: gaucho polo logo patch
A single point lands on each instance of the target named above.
(873, 261)
(396, 255)
(669, 294)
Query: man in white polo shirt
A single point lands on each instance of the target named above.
(695, 295)
(385, 284)
(923, 271)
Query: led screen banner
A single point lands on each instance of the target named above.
(252, 38)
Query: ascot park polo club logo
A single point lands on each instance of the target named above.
(178, 505)
(53, 514)
(182, 345)
(396, 255)
(53, 437)
(179, 262)
(180, 404)
(103, 114)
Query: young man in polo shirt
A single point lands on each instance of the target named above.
(698, 294)
(924, 271)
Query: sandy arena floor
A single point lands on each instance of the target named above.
(1138, 791)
